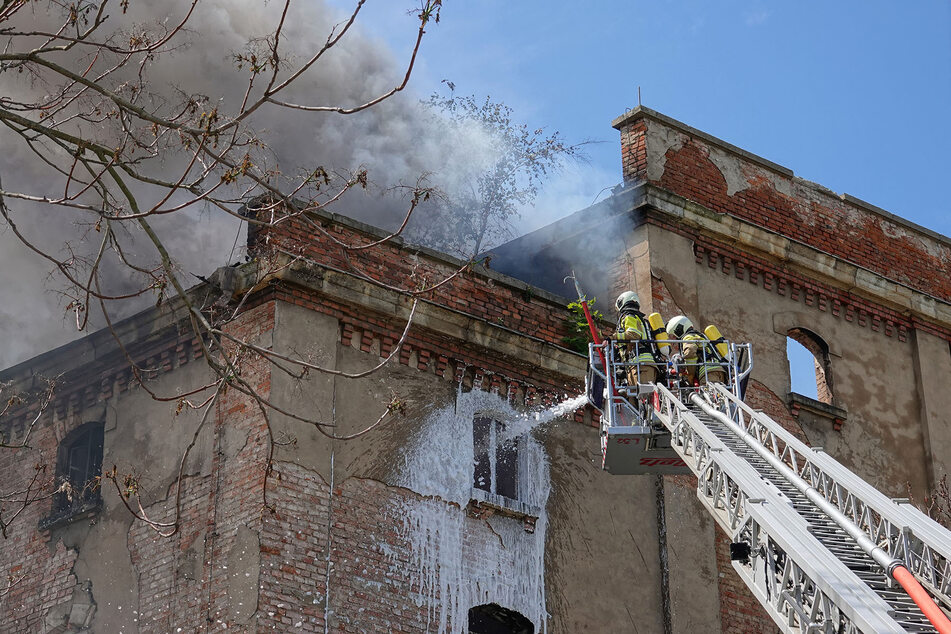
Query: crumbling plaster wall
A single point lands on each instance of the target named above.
(687, 553)
(730, 180)
(932, 363)
(146, 438)
(602, 561)
(351, 404)
(874, 375)
(873, 285)
(896, 419)
(143, 437)
(602, 565)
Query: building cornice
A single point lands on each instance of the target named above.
(804, 260)
(434, 317)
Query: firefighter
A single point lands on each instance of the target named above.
(632, 325)
(692, 346)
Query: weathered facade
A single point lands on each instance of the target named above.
(434, 520)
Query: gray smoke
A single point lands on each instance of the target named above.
(394, 141)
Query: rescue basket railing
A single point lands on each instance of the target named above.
(611, 361)
(617, 393)
(896, 526)
(803, 586)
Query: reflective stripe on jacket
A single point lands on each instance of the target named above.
(694, 344)
(633, 327)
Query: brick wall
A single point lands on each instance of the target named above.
(759, 397)
(740, 612)
(184, 581)
(484, 296)
(785, 282)
(40, 570)
(363, 585)
(172, 577)
(428, 351)
(791, 207)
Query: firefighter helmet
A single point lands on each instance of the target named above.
(678, 326)
(625, 298)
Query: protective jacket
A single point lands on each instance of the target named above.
(633, 326)
(694, 346)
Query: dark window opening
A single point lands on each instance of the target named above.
(78, 470)
(492, 618)
(495, 458)
(810, 370)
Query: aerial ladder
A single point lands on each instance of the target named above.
(822, 550)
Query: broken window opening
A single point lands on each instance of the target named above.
(492, 618)
(810, 370)
(495, 458)
(78, 471)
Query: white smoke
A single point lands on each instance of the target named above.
(396, 141)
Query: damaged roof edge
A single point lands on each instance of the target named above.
(439, 256)
(136, 328)
(622, 200)
(642, 112)
(151, 321)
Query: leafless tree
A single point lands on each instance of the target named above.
(39, 483)
(120, 154)
(507, 165)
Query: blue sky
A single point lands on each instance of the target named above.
(852, 95)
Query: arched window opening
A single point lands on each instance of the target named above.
(78, 468)
(492, 618)
(809, 369)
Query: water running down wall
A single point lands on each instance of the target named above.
(461, 562)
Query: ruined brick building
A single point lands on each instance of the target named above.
(432, 522)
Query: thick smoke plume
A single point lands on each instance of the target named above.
(395, 141)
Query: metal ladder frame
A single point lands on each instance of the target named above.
(898, 527)
(802, 585)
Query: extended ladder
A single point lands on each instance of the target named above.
(819, 547)
(785, 505)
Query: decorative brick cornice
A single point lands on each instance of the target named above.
(731, 258)
(798, 402)
(95, 382)
(469, 365)
(809, 293)
(520, 386)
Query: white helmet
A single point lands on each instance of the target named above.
(678, 326)
(625, 298)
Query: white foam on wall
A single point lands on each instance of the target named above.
(459, 562)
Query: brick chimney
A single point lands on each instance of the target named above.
(633, 128)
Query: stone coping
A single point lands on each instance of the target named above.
(798, 402)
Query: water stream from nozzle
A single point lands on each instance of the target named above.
(529, 421)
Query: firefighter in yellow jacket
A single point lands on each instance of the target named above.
(693, 346)
(632, 326)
